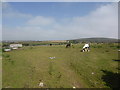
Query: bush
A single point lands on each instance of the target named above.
(6, 55)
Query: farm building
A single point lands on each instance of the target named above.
(7, 50)
(14, 48)
(15, 45)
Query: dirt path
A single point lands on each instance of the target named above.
(70, 75)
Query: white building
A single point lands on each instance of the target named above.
(7, 50)
(15, 48)
(15, 45)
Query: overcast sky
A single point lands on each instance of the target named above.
(59, 21)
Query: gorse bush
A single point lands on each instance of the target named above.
(6, 55)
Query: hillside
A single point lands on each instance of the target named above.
(98, 40)
(60, 67)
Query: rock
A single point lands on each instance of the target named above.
(74, 87)
(41, 84)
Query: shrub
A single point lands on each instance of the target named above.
(6, 55)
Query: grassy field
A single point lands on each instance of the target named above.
(0, 67)
(24, 68)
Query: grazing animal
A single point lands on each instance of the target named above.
(68, 45)
(85, 48)
(50, 44)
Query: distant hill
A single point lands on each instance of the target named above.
(97, 40)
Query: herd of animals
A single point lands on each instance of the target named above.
(86, 47)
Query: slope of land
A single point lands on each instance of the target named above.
(97, 40)
(24, 68)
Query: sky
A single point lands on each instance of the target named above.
(0, 22)
(59, 20)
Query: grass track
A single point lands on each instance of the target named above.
(70, 67)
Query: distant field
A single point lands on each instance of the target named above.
(24, 68)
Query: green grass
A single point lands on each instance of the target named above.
(0, 67)
(26, 66)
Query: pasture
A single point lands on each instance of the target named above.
(0, 67)
(26, 67)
